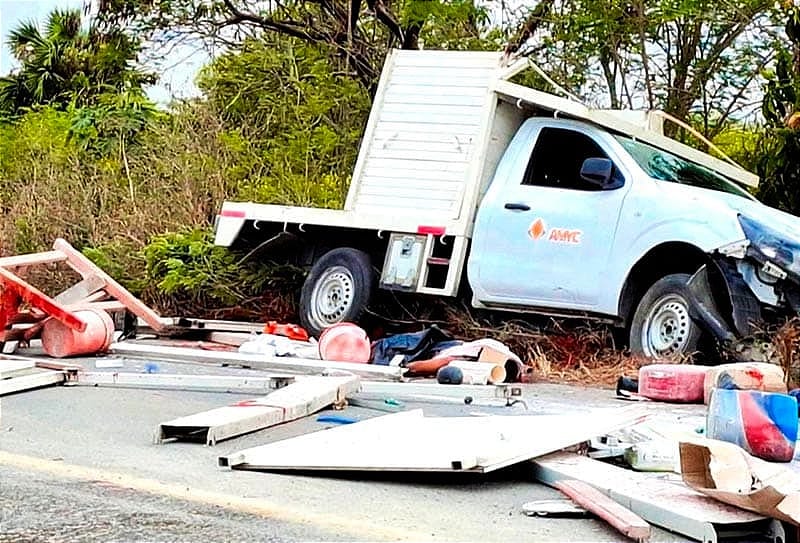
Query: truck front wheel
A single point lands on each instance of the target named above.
(661, 325)
(337, 289)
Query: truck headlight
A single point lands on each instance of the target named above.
(773, 245)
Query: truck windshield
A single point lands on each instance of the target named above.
(665, 166)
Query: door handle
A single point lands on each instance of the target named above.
(517, 206)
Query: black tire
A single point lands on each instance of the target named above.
(337, 289)
(661, 326)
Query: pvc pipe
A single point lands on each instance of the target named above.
(480, 373)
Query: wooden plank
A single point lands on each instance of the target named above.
(171, 381)
(9, 368)
(18, 261)
(30, 382)
(412, 442)
(108, 305)
(133, 349)
(234, 339)
(625, 521)
(668, 504)
(292, 402)
(80, 291)
(86, 268)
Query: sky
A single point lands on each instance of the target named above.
(177, 70)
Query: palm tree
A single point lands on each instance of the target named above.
(67, 62)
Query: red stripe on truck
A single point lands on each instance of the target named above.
(433, 230)
(232, 213)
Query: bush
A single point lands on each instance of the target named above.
(185, 271)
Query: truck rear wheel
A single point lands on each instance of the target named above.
(661, 325)
(337, 289)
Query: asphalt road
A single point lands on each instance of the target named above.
(79, 464)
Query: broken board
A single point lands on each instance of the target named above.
(291, 402)
(10, 368)
(623, 520)
(37, 379)
(670, 505)
(410, 441)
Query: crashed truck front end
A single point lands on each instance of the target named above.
(750, 283)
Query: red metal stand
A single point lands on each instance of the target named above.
(22, 303)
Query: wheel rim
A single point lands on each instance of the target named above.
(332, 297)
(667, 327)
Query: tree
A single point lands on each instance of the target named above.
(777, 153)
(690, 58)
(357, 32)
(67, 63)
(299, 119)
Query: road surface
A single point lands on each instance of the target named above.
(79, 464)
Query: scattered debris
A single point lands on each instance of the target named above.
(9, 368)
(656, 455)
(728, 474)
(29, 380)
(294, 401)
(473, 373)
(661, 502)
(672, 382)
(764, 424)
(166, 381)
(553, 508)
(136, 349)
(410, 441)
(626, 522)
(744, 376)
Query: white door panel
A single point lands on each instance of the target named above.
(544, 245)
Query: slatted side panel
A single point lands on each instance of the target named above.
(427, 126)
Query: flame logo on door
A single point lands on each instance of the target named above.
(537, 229)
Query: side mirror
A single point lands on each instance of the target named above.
(598, 171)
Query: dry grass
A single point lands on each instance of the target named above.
(571, 353)
(784, 341)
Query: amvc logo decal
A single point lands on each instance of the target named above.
(538, 230)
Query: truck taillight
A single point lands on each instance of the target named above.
(232, 213)
(433, 230)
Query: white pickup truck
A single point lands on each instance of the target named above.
(536, 203)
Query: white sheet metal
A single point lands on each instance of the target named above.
(292, 402)
(424, 129)
(409, 441)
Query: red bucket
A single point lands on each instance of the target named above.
(59, 341)
(345, 342)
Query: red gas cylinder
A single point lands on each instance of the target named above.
(59, 341)
(672, 382)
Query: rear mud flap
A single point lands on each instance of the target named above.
(721, 301)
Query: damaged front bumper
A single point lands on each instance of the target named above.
(737, 291)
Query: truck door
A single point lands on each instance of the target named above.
(544, 236)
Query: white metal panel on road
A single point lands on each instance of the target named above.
(441, 94)
(409, 441)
